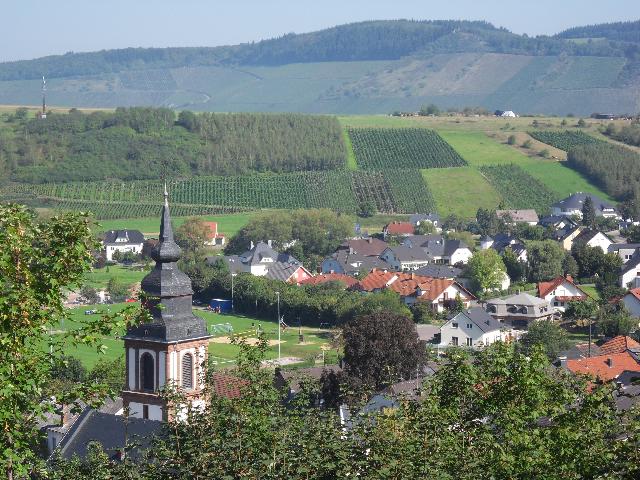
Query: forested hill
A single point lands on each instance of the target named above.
(618, 31)
(366, 67)
(374, 40)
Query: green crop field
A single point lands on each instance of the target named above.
(564, 140)
(386, 148)
(460, 190)
(315, 339)
(476, 148)
(99, 277)
(518, 189)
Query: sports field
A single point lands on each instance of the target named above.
(221, 326)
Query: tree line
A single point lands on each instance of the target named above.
(149, 143)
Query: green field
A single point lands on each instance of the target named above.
(222, 352)
(227, 224)
(98, 278)
(351, 157)
(460, 190)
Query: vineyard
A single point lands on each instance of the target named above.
(564, 140)
(339, 190)
(402, 148)
(518, 189)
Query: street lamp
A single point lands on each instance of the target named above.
(232, 275)
(278, 295)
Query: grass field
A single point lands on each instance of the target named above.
(98, 278)
(351, 156)
(223, 353)
(460, 190)
(227, 224)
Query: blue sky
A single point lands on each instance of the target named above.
(33, 28)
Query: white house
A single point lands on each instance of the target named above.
(630, 275)
(404, 259)
(593, 238)
(632, 301)
(572, 206)
(122, 241)
(624, 250)
(440, 292)
(560, 291)
(472, 328)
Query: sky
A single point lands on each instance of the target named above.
(35, 28)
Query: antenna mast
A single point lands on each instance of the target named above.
(43, 114)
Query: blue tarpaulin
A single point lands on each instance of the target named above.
(220, 305)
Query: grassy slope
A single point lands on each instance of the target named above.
(98, 278)
(227, 224)
(460, 190)
(352, 164)
(225, 353)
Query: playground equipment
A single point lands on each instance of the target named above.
(221, 328)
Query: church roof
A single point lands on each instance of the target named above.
(168, 293)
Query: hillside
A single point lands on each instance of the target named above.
(367, 67)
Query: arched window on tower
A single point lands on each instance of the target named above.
(187, 371)
(147, 370)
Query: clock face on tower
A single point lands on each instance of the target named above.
(170, 349)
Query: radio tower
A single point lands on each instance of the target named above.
(43, 114)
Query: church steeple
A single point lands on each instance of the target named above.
(172, 347)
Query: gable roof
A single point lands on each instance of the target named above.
(355, 263)
(262, 251)
(213, 230)
(399, 228)
(110, 431)
(587, 235)
(576, 201)
(614, 247)
(518, 299)
(634, 292)
(330, 277)
(437, 270)
(228, 386)
(435, 287)
(123, 237)
(545, 288)
(408, 254)
(618, 344)
(632, 264)
(377, 279)
(369, 247)
(284, 271)
(528, 215)
(605, 367)
(479, 317)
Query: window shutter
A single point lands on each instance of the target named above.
(187, 371)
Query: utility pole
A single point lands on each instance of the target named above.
(279, 326)
(232, 309)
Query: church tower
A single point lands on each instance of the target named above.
(171, 349)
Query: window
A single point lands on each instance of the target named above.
(469, 342)
(469, 325)
(147, 380)
(454, 325)
(187, 371)
(454, 341)
(555, 304)
(145, 412)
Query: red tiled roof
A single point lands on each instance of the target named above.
(598, 367)
(635, 292)
(545, 288)
(330, 277)
(397, 228)
(618, 344)
(376, 279)
(436, 286)
(213, 230)
(228, 386)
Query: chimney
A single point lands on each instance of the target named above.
(370, 240)
(609, 362)
(64, 415)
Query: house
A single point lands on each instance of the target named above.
(418, 218)
(624, 250)
(438, 293)
(403, 258)
(529, 217)
(122, 241)
(593, 238)
(262, 260)
(367, 247)
(473, 328)
(508, 114)
(440, 249)
(619, 344)
(630, 275)
(520, 310)
(323, 278)
(632, 301)
(607, 367)
(214, 238)
(348, 263)
(560, 291)
(428, 333)
(401, 229)
(572, 206)
(557, 222)
(567, 236)
(436, 270)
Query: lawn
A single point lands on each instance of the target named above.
(98, 278)
(228, 224)
(224, 353)
(460, 190)
(561, 179)
(478, 149)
